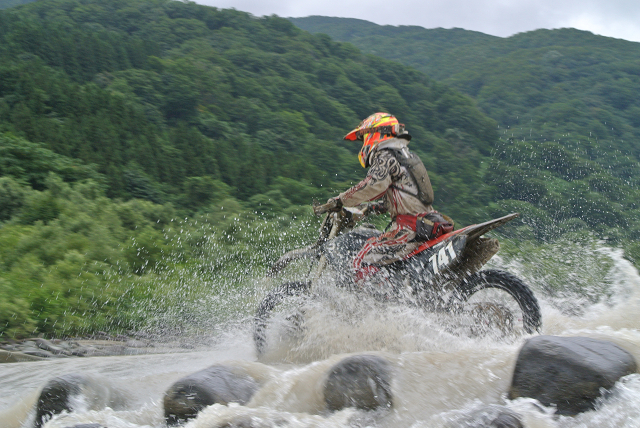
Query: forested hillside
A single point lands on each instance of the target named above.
(162, 95)
(154, 151)
(143, 139)
(4, 4)
(428, 50)
(566, 104)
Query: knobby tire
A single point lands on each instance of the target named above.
(493, 278)
(268, 304)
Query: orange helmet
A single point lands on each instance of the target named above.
(372, 131)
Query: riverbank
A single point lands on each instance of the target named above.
(98, 345)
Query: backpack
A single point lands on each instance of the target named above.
(418, 172)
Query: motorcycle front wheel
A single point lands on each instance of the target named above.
(279, 315)
(497, 302)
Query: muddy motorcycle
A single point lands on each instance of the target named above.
(441, 275)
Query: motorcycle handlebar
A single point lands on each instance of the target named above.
(333, 206)
(329, 206)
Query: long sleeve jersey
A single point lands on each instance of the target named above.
(389, 181)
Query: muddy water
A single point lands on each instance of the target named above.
(441, 376)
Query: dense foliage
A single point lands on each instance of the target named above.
(155, 154)
(567, 108)
(117, 118)
(4, 4)
(427, 50)
(73, 261)
(194, 93)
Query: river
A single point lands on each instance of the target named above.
(440, 377)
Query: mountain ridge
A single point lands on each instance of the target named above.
(559, 96)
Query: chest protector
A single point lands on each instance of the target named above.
(418, 173)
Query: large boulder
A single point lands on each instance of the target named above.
(64, 392)
(360, 381)
(568, 372)
(216, 384)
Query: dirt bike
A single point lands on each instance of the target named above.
(441, 275)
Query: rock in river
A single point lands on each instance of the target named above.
(568, 372)
(87, 426)
(490, 416)
(216, 384)
(63, 392)
(360, 381)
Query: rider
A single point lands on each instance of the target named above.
(399, 178)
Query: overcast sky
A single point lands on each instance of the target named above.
(612, 18)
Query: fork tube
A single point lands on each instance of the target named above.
(322, 263)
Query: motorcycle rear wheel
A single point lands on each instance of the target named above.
(275, 300)
(492, 308)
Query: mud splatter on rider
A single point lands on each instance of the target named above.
(399, 180)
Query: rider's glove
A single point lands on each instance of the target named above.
(337, 202)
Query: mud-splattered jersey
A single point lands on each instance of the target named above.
(389, 180)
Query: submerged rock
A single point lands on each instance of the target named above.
(64, 392)
(360, 381)
(506, 420)
(216, 384)
(244, 422)
(491, 416)
(568, 372)
(87, 426)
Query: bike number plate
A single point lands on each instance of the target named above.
(445, 254)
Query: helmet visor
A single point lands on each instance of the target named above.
(352, 136)
(359, 133)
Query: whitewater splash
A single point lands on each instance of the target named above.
(441, 378)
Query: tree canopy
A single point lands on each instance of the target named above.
(157, 93)
(140, 138)
(146, 142)
(568, 153)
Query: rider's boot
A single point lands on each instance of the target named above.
(364, 273)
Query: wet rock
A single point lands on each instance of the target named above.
(242, 422)
(50, 347)
(37, 352)
(136, 344)
(216, 384)
(55, 397)
(100, 345)
(16, 357)
(78, 352)
(568, 372)
(60, 394)
(116, 350)
(246, 421)
(8, 347)
(360, 381)
(87, 426)
(506, 420)
(492, 416)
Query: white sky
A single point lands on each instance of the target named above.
(612, 18)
